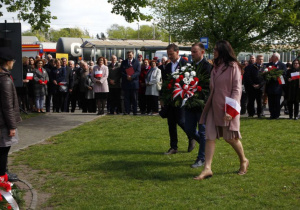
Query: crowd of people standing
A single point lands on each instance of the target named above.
(121, 87)
(263, 92)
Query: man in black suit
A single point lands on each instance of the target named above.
(274, 89)
(73, 75)
(175, 114)
(254, 85)
(65, 96)
(130, 82)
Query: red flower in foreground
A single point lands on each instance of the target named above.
(199, 88)
(169, 86)
(196, 79)
(272, 68)
(181, 77)
(178, 80)
(192, 83)
(9, 207)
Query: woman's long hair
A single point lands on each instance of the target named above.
(293, 64)
(226, 53)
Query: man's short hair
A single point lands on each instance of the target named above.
(199, 44)
(259, 56)
(71, 61)
(173, 47)
(277, 55)
(63, 58)
(129, 51)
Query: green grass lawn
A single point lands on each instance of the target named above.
(117, 162)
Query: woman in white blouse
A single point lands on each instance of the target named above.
(153, 85)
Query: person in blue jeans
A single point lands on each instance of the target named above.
(192, 116)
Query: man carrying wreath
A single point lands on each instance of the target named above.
(192, 115)
(175, 115)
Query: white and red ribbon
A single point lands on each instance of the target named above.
(185, 92)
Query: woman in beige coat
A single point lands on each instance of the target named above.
(99, 77)
(225, 81)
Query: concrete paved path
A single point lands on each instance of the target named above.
(40, 128)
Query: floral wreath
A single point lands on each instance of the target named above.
(182, 88)
(271, 73)
(7, 193)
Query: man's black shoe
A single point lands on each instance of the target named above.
(12, 177)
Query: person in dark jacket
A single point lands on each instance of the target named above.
(131, 70)
(114, 84)
(9, 110)
(254, 85)
(293, 90)
(142, 86)
(73, 86)
(50, 67)
(83, 85)
(175, 115)
(274, 89)
(192, 117)
(60, 88)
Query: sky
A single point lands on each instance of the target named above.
(93, 15)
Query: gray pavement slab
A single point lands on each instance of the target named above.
(40, 128)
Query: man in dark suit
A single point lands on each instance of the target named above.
(73, 75)
(65, 96)
(114, 80)
(274, 89)
(254, 85)
(131, 70)
(175, 114)
(192, 116)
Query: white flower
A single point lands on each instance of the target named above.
(188, 64)
(186, 74)
(186, 81)
(193, 73)
(183, 68)
(266, 70)
(175, 76)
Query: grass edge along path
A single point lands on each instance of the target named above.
(117, 162)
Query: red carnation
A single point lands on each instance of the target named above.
(178, 80)
(171, 81)
(181, 77)
(192, 83)
(169, 86)
(199, 88)
(196, 79)
(9, 207)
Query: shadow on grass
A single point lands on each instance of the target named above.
(161, 168)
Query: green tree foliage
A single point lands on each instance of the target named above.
(33, 11)
(41, 36)
(68, 32)
(145, 32)
(130, 9)
(247, 24)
